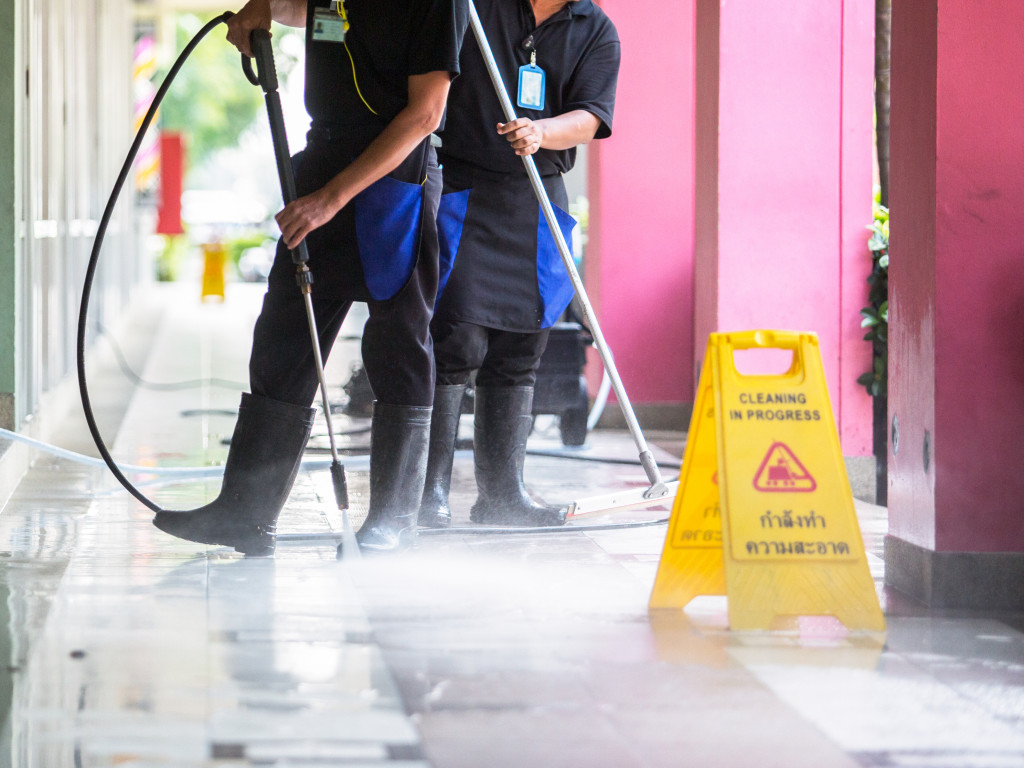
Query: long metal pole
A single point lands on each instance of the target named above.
(314, 335)
(658, 487)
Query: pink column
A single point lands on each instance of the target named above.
(957, 303)
(639, 270)
(784, 181)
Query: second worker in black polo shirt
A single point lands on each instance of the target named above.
(377, 78)
(559, 60)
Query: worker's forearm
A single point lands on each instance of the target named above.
(427, 96)
(384, 154)
(291, 13)
(568, 130)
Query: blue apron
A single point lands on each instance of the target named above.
(370, 248)
(388, 219)
(500, 266)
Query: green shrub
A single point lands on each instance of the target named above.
(876, 313)
(170, 259)
(235, 246)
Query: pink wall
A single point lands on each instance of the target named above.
(639, 271)
(780, 151)
(956, 277)
(784, 181)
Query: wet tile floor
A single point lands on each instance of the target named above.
(131, 648)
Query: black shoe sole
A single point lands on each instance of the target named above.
(251, 543)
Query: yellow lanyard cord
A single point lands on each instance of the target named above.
(356, 81)
(341, 12)
(340, 5)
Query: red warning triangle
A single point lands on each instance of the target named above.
(781, 471)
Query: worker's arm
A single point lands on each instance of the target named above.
(291, 13)
(257, 14)
(560, 132)
(421, 117)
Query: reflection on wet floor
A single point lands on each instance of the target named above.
(130, 648)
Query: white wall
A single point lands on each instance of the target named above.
(73, 127)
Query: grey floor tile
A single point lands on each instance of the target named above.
(131, 648)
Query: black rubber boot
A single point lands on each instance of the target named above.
(435, 511)
(398, 466)
(265, 454)
(503, 420)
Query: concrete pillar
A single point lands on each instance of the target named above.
(784, 181)
(956, 361)
(639, 269)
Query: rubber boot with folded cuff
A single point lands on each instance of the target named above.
(503, 420)
(264, 458)
(435, 511)
(398, 466)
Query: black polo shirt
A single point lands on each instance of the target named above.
(578, 49)
(389, 41)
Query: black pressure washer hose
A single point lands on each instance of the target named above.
(337, 472)
(265, 78)
(101, 231)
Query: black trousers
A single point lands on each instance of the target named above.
(501, 358)
(397, 349)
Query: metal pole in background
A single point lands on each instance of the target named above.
(658, 487)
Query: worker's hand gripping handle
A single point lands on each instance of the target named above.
(265, 77)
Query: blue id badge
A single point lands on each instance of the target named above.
(531, 87)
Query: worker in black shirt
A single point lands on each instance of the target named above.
(377, 78)
(559, 60)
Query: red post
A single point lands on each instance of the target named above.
(172, 179)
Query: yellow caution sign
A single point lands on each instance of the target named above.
(765, 448)
(691, 562)
(214, 259)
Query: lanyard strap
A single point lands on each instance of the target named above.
(340, 7)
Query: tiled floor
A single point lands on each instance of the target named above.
(131, 648)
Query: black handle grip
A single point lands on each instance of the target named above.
(265, 75)
(247, 69)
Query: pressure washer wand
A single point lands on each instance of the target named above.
(658, 487)
(266, 78)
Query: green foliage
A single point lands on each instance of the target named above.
(876, 313)
(211, 102)
(176, 249)
(170, 259)
(235, 246)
